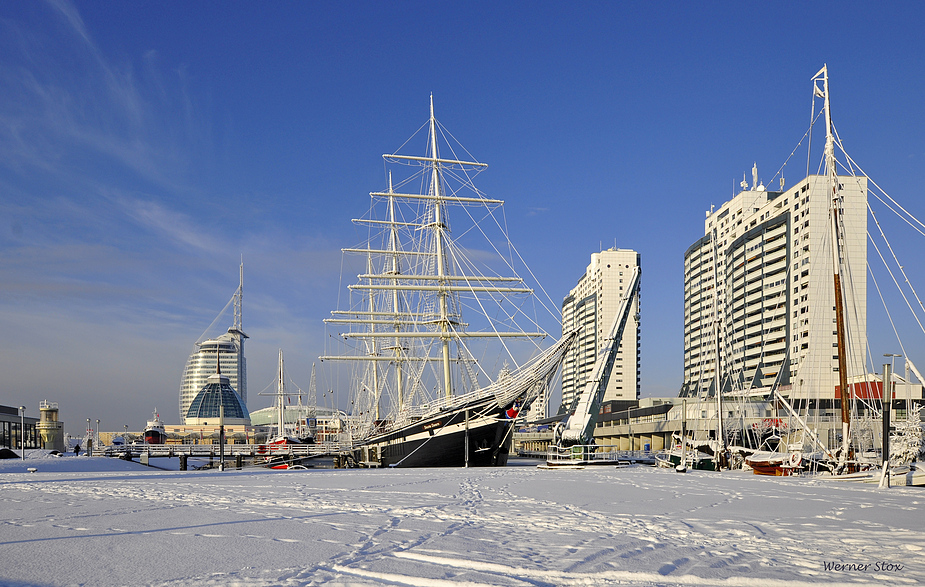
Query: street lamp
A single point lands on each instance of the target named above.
(221, 415)
(89, 438)
(97, 432)
(22, 430)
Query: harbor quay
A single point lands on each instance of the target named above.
(657, 423)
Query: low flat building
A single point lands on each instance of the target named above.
(11, 421)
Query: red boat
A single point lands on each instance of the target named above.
(775, 463)
(154, 432)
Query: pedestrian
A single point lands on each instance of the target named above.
(77, 450)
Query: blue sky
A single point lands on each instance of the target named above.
(146, 146)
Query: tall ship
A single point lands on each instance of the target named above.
(428, 386)
(227, 347)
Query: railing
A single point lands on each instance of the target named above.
(591, 454)
(206, 450)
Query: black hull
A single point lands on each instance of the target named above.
(441, 441)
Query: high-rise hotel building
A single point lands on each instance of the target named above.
(590, 307)
(759, 294)
(201, 365)
(227, 348)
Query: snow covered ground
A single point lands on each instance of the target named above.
(99, 521)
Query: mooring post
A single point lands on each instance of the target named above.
(887, 403)
(182, 462)
(466, 448)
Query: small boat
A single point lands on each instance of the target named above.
(776, 464)
(154, 431)
(906, 476)
(693, 459)
(290, 440)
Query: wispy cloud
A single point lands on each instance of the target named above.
(120, 85)
(69, 13)
(174, 226)
(64, 101)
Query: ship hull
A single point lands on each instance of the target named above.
(154, 437)
(478, 435)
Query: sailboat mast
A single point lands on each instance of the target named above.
(280, 392)
(832, 174)
(439, 227)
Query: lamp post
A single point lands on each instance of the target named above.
(221, 414)
(89, 438)
(22, 430)
(221, 436)
(97, 432)
(892, 357)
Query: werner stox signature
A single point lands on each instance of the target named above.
(875, 567)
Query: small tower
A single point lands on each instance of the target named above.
(49, 428)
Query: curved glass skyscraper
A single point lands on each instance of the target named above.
(201, 363)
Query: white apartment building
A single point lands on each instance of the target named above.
(590, 307)
(759, 292)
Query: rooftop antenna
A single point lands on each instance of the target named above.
(755, 176)
(743, 183)
(238, 327)
(239, 300)
(218, 362)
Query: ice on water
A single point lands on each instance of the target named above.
(98, 521)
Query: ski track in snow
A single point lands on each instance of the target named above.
(514, 526)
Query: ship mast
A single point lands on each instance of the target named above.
(835, 203)
(371, 344)
(396, 299)
(415, 267)
(439, 227)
